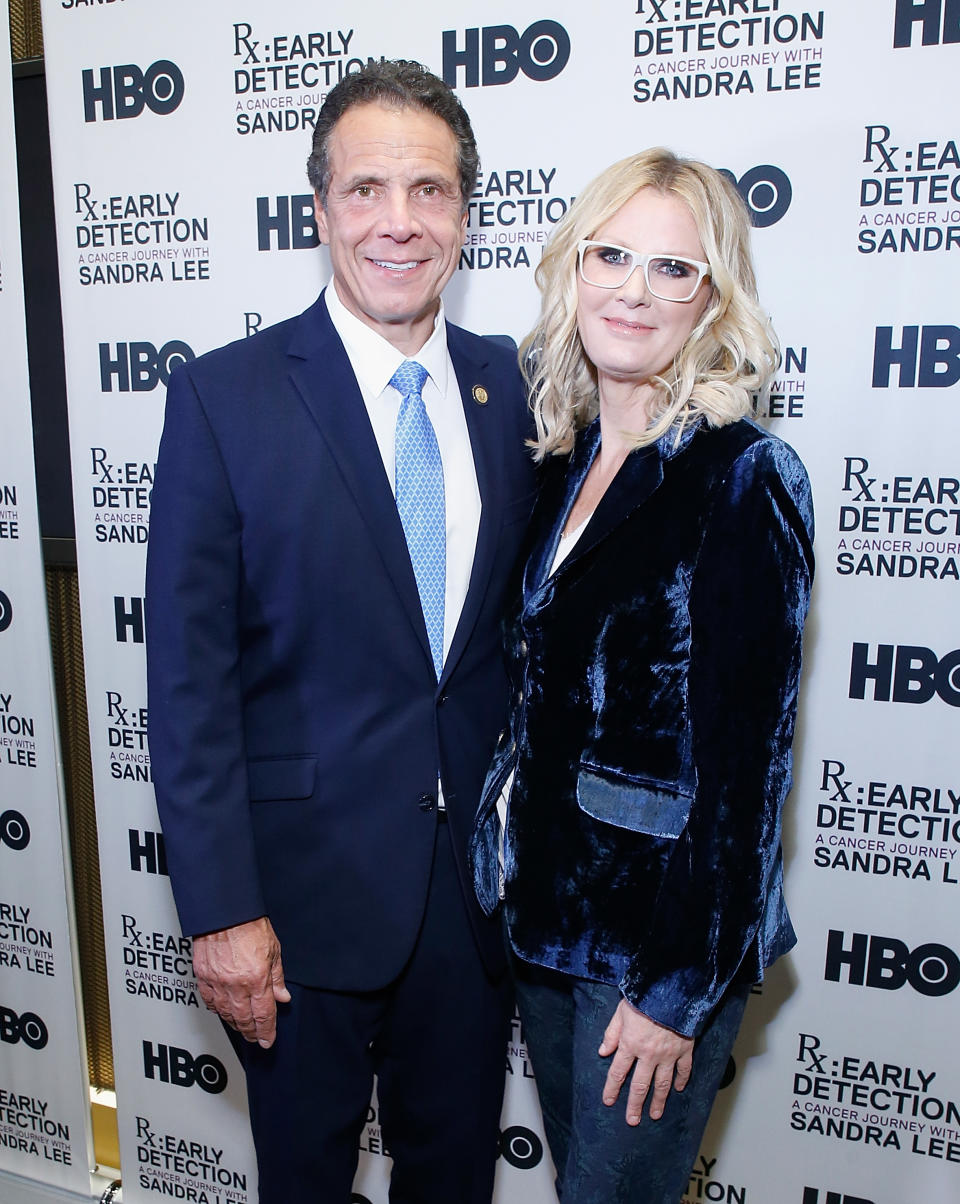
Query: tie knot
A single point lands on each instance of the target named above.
(409, 377)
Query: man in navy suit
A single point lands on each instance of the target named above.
(325, 676)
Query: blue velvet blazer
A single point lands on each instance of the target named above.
(654, 695)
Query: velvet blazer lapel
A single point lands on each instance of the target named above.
(638, 477)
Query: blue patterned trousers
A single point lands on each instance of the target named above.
(600, 1159)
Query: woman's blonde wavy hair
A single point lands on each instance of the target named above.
(730, 354)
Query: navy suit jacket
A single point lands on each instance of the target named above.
(296, 724)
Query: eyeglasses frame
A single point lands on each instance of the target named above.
(703, 269)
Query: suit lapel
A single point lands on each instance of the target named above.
(486, 425)
(321, 374)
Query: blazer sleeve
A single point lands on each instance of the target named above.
(196, 737)
(748, 601)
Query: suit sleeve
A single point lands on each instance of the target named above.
(195, 716)
(748, 601)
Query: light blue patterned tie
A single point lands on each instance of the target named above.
(420, 500)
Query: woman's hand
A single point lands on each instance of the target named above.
(662, 1057)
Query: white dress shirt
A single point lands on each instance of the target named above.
(374, 362)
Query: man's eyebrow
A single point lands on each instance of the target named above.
(434, 177)
(362, 178)
(442, 180)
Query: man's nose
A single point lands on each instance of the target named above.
(399, 220)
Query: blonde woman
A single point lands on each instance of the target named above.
(655, 654)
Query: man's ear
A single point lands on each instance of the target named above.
(321, 215)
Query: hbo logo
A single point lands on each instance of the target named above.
(928, 15)
(125, 91)
(939, 359)
(14, 830)
(521, 1147)
(766, 192)
(540, 52)
(182, 1069)
(811, 1195)
(140, 366)
(28, 1028)
(886, 963)
(914, 675)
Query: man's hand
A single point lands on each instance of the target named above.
(241, 978)
(657, 1051)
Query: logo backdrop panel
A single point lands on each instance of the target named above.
(44, 1098)
(185, 221)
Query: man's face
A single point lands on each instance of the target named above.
(394, 218)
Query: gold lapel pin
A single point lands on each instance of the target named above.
(480, 395)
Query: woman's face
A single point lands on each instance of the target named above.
(629, 334)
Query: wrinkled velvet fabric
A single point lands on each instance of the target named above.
(655, 687)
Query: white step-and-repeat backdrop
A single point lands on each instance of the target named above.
(179, 137)
(44, 1095)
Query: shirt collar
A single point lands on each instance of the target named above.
(374, 360)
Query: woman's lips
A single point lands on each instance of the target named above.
(629, 327)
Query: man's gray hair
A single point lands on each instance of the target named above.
(399, 83)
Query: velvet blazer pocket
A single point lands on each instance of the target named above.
(281, 778)
(646, 807)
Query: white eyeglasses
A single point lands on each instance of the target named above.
(668, 277)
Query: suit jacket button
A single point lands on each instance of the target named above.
(444, 698)
(426, 802)
(523, 649)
